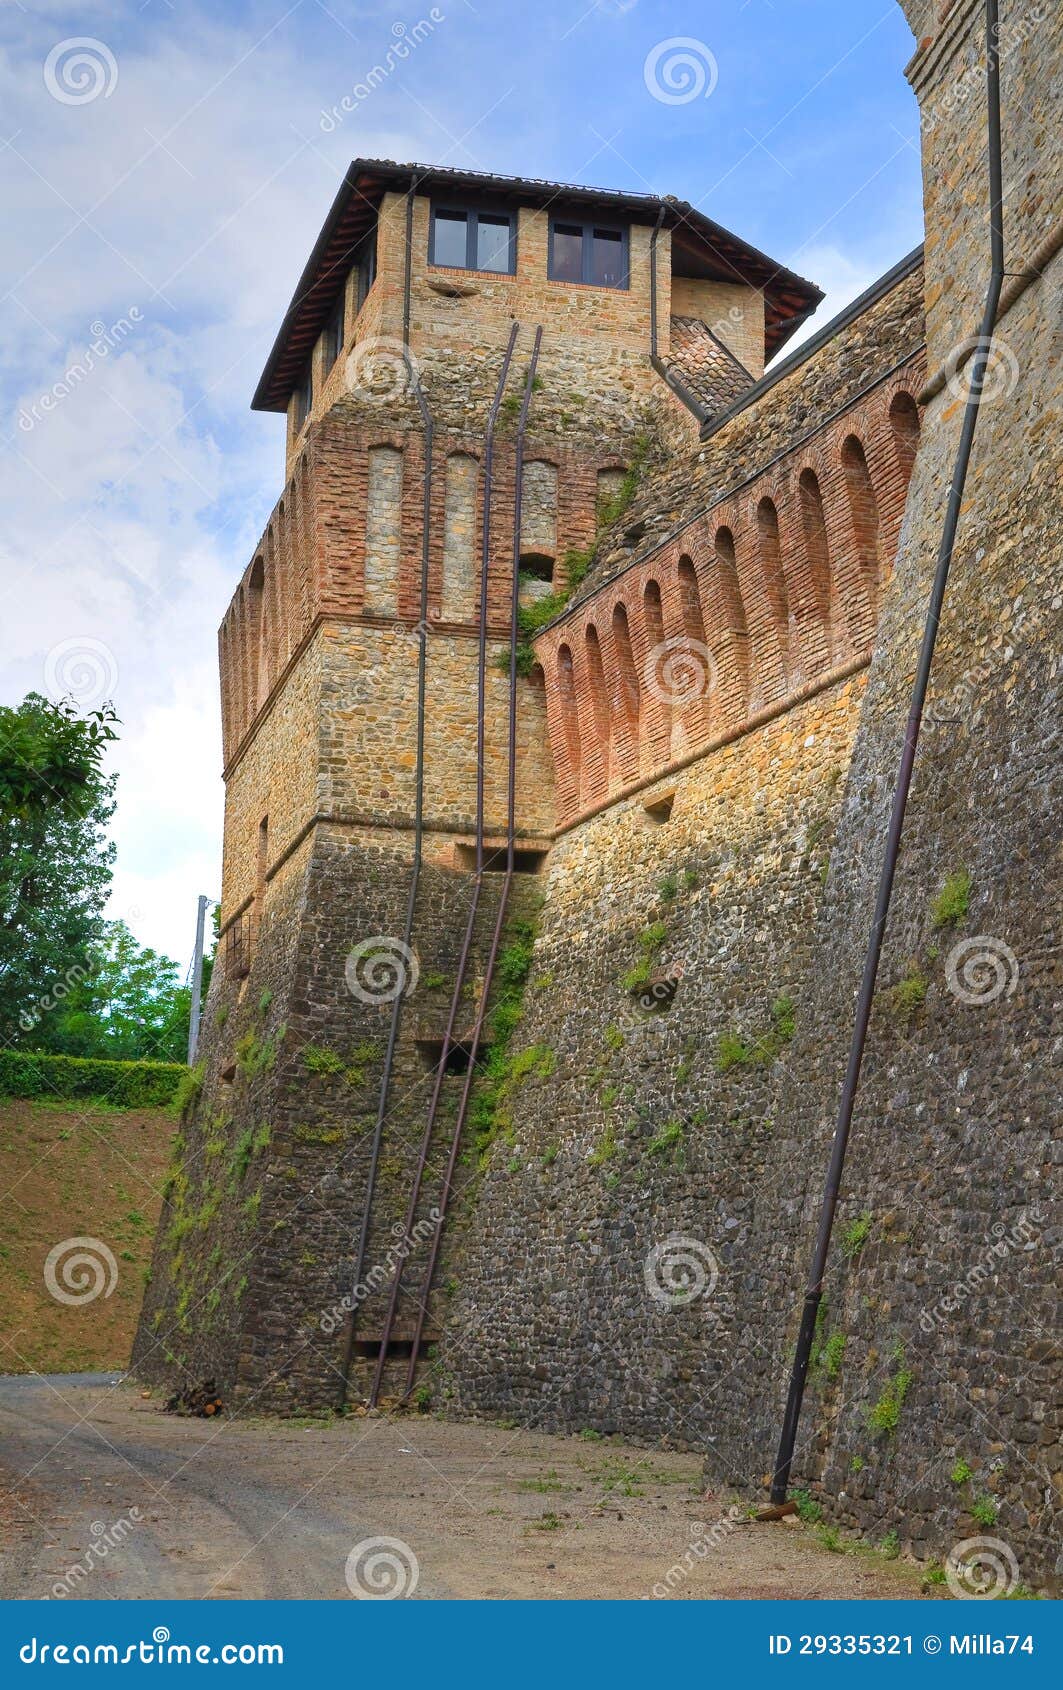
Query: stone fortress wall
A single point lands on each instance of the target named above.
(713, 831)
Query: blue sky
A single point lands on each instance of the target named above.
(160, 198)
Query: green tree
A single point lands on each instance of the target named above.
(129, 1005)
(55, 859)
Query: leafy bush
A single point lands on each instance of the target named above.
(126, 1085)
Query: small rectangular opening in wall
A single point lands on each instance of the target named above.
(398, 1348)
(656, 995)
(659, 810)
(458, 1056)
(525, 859)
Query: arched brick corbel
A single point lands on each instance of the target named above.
(808, 576)
(624, 695)
(760, 562)
(562, 718)
(593, 696)
(727, 631)
(648, 639)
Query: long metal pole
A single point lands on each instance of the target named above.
(803, 1351)
(196, 1008)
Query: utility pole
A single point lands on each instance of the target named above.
(197, 977)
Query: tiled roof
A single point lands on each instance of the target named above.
(705, 364)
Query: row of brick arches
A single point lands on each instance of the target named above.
(776, 586)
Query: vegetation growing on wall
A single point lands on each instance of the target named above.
(736, 1051)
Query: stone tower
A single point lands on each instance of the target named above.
(404, 367)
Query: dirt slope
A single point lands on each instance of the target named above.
(67, 1171)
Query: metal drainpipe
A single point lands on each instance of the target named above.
(784, 1459)
(418, 820)
(671, 380)
(455, 1002)
(511, 832)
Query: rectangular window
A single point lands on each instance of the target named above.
(593, 254)
(366, 270)
(464, 239)
(304, 398)
(335, 331)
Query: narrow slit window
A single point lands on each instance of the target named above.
(335, 331)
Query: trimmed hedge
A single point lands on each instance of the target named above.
(126, 1085)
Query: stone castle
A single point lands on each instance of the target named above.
(562, 701)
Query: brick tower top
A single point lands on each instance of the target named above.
(441, 261)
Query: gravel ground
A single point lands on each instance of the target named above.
(245, 1508)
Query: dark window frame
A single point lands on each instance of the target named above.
(587, 227)
(336, 329)
(472, 215)
(366, 271)
(304, 396)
